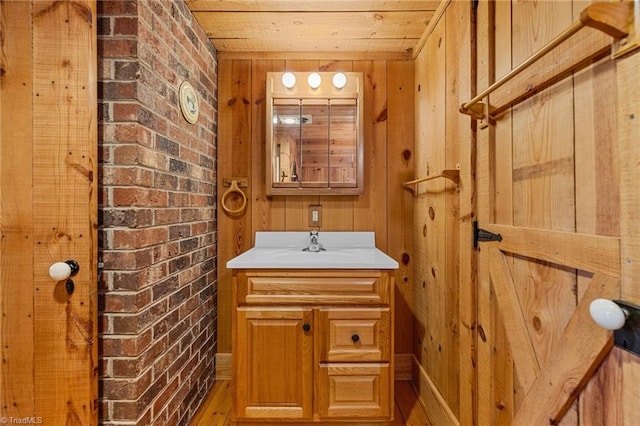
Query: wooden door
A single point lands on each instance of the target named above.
(273, 358)
(556, 176)
(48, 212)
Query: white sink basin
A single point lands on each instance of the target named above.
(343, 250)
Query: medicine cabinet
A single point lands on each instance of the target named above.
(314, 133)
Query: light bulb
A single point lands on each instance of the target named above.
(339, 80)
(288, 80)
(314, 80)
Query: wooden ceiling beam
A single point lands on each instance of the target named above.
(309, 6)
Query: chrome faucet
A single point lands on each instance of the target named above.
(314, 245)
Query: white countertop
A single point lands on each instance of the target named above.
(343, 250)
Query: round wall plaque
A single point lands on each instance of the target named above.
(189, 102)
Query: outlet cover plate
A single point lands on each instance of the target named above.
(315, 216)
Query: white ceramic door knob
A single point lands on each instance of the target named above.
(62, 270)
(607, 314)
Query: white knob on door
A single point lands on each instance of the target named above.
(607, 314)
(62, 270)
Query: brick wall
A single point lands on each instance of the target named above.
(157, 213)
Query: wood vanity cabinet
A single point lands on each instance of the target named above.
(313, 346)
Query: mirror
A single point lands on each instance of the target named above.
(314, 135)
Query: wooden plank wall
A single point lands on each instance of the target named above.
(384, 207)
(554, 166)
(444, 294)
(48, 188)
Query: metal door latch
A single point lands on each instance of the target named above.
(481, 235)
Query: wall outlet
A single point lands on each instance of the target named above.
(315, 216)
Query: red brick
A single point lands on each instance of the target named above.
(146, 49)
(127, 260)
(120, 176)
(126, 302)
(125, 26)
(165, 395)
(139, 197)
(117, 48)
(131, 389)
(126, 111)
(167, 216)
(117, 7)
(138, 238)
(127, 367)
(125, 410)
(125, 346)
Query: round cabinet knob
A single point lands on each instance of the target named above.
(607, 314)
(306, 327)
(355, 338)
(62, 270)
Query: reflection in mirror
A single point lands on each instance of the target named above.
(314, 155)
(314, 137)
(342, 151)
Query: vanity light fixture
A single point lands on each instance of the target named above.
(314, 80)
(339, 80)
(288, 80)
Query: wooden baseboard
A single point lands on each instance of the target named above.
(436, 407)
(402, 367)
(223, 366)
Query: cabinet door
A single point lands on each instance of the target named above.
(274, 363)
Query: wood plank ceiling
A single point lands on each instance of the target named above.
(392, 27)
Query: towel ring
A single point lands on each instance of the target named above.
(233, 188)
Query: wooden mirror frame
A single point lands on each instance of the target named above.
(301, 90)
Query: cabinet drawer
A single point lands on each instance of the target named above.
(354, 390)
(354, 334)
(312, 287)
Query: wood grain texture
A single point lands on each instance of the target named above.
(400, 148)
(306, 345)
(216, 409)
(420, 217)
(586, 252)
(332, 5)
(318, 26)
(546, 176)
(394, 27)
(628, 134)
(565, 374)
(273, 337)
(543, 193)
(545, 199)
(484, 409)
(16, 220)
(428, 392)
(628, 116)
(48, 185)
(524, 355)
(340, 208)
(504, 400)
(267, 214)
(234, 139)
(367, 215)
(440, 139)
(462, 158)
